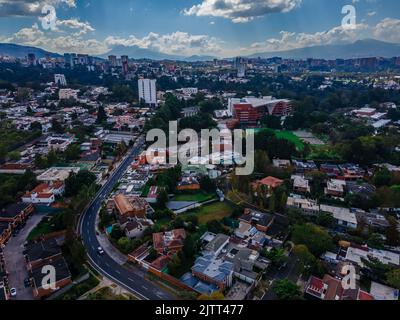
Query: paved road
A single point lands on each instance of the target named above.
(15, 260)
(291, 272)
(127, 278)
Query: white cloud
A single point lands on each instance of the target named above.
(388, 29)
(181, 43)
(240, 11)
(15, 8)
(83, 27)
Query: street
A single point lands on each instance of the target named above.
(104, 264)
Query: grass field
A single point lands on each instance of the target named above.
(214, 211)
(44, 227)
(199, 197)
(286, 135)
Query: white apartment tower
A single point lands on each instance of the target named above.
(148, 91)
(60, 79)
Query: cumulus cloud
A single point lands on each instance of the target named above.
(388, 29)
(293, 40)
(181, 43)
(74, 24)
(240, 11)
(15, 8)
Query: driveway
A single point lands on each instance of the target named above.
(15, 261)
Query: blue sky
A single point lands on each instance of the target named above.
(216, 27)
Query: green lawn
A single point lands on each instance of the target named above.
(214, 211)
(44, 227)
(199, 197)
(286, 135)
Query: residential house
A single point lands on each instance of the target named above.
(134, 227)
(216, 243)
(307, 206)
(190, 112)
(332, 170)
(44, 193)
(63, 278)
(282, 164)
(304, 166)
(5, 233)
(356, 254)
(361, 189)
(383, 293)
(351, 172)
(344, 217)
(330, 288)
(170, 241)
(188, 183)
(16, 214)
(335, 188)
(41, 253)
(269, 182)
(260, 220)
(215, 271)
(300, 184)
(131, 206)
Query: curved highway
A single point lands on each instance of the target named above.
(104, 264)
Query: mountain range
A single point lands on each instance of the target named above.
(359, 49)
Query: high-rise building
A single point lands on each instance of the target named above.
(125, 64)
(240, 65)
(31, 59)
(113, 61)
(148, 91)
(60, 79)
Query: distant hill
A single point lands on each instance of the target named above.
(135, 52)
(18, 51)
(359, 49)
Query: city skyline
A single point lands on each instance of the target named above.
(198, 27)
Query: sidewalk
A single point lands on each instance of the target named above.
(107, 246)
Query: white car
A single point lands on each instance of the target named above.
(100, 251)
(13, 292)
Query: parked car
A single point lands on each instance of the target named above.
(13, 292)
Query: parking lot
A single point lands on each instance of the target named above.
(15, 261)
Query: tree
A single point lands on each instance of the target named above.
(216, 295)
(272, 203)
(36, 126)
(382, 178)
(72, 152)
(162, 198)
(101, 115)
(14, 155)
(56, 126)
(277, 256)
(376, 241)
(286, 290)
(207, 184)
(392, 232)
(261, 162)
(393, 278)
(116, 232)
(316, 239)
(125, 245)
(326, 220)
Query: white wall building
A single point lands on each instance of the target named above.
(148, 91)
(68, 94)
(60, 79)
